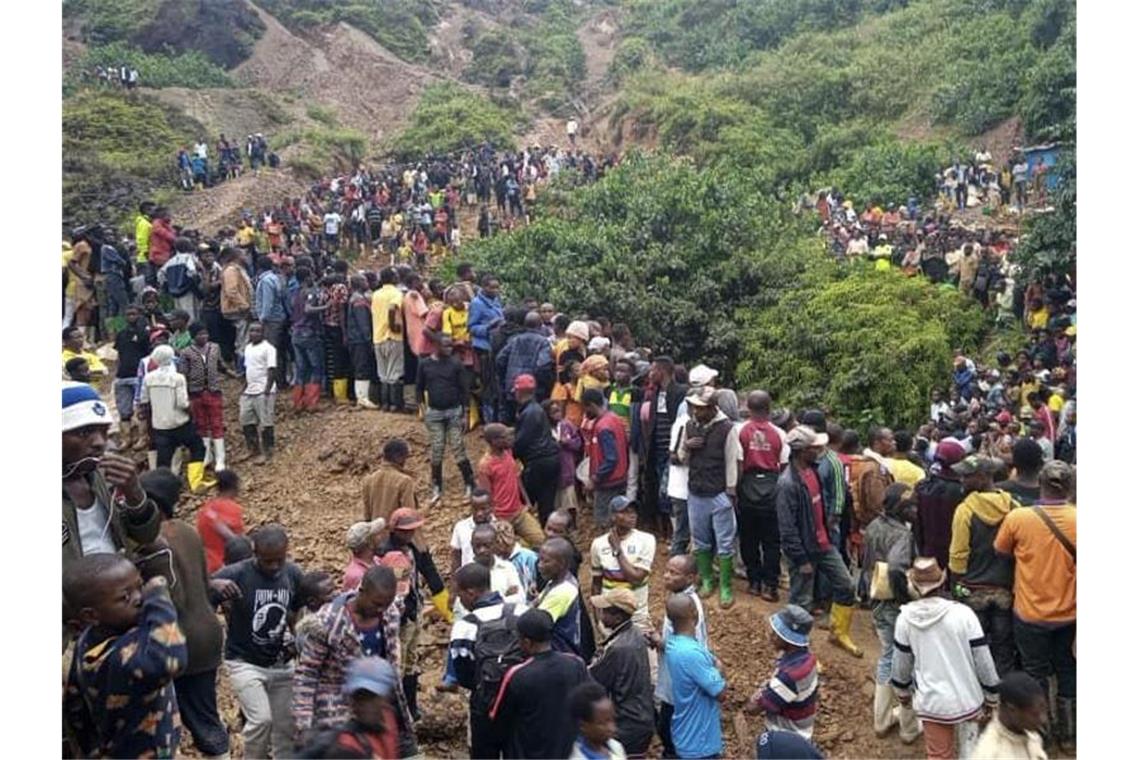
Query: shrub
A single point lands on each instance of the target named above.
(164, 69)
(865, 345)
(399, 25)
(449, 118)
(322, 115)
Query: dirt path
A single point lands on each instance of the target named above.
(313, 487)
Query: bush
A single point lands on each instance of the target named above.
(1049, 244)
(889, 171)
(165, 69)
(449, 118)
(632, 55)
(399, 25)
(665, 247)
(322, 115)
(865, 345)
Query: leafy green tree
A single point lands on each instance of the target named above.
(448, 118)
(1049, 244)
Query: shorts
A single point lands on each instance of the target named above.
(125, 397)
(206, 410)
(257, 410)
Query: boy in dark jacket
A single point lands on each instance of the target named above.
(119, 698)
(358, 336)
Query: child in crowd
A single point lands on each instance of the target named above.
(524, 560)
(594, 713)
(569, 449)
(362, 540)
(790, 698)
(119, 697)
(315, 590)
(680, 577)
(1023, 711)
(498, 474)
(220, 519)
(481, 513)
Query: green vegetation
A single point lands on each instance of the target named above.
(399, 25)
(223, 32)
(338, 148)
(167, 69)
(450, 118)
(669, 249)
(539, 42)
(1049, 245)
(322, 115)
(868, 346)
(117, 150)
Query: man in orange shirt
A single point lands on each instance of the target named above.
(1042, 540)
(220, 519)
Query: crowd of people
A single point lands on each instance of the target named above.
(958, 535)
(123, 75)
(195, 172)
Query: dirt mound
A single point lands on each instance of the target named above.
(232, 112)
(208, 210)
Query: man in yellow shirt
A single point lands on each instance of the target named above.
(388, 341)
(73, 347)
(902, 469)
(142, 231)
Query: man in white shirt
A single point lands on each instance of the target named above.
(481, 514)
(201, 149)
(572, 130)
(622, 557)
(257, 400)
(504, 577)
(333, 221)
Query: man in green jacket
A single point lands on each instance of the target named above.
(105, 509)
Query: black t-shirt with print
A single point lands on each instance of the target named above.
(259, 619)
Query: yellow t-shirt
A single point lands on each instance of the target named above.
(67, 254)
(1038, 319)
(382, 300)
(94, 363)
(246, 235)
(905, 471)
(455, 325)
(1056, 403)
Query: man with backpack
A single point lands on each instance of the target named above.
(484, 646)
(763, 453)
(179, 277)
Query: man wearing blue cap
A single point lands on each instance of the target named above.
(372, 731)
(105, 509)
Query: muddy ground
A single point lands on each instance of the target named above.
(312, 486)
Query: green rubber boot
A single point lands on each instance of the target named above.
(705, 568)
(726, 570)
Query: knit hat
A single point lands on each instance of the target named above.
(597, 344)
(82, 406)
(579, 330)
(524, 382)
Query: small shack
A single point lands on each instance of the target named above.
(1046, 154)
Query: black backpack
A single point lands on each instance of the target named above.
(496, 651)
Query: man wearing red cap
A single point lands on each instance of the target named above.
(536, 448)
(937, 497)
(403, 525)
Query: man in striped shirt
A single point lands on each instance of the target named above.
(791, 697)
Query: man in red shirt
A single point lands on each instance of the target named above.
(608, 449)
(498, 474)
(804, 537)
(220, 519)
(763, 453)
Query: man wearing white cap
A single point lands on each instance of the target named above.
(105, 509)
(362, 540)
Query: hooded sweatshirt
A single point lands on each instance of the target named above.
(972, 532)
(941, 654)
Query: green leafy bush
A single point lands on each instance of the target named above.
(665, 247)
(889, 171)
(449, 118)
(166, 69)
(865, 345)
(1049, 244)
(322, 115)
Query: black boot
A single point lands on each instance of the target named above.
(436, 483)
(267, 443)
(252, 444)
(411, 686)
(467, 473)
(386, 396)
(397, 391)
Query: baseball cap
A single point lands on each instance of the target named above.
(579, 330)
(360, 532)
(371, 674)
(802, 436)
(1057, 475)
(972, 465)
(949, 451)
(406, 518)
(82, 406)
(701, 375)
(786, 745)
(524, 382)
(702, 397)
(616, 598)
(620, 503)
(792, 624)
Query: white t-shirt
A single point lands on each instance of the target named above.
(201, 150)
(260, 361)
(678, 484)
(639, 548)
(332, 223)
(461, 538)
(572, 127)
(504, 579)
(95, 529)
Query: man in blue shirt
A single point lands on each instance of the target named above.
(484, 313)
(698, 686)
(271, 305)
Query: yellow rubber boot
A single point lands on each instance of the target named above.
(340, 389)
(442, 604)
(841, 629)
(196, 474)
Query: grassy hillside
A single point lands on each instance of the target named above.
(399, 25)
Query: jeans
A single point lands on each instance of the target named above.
(830, 565)
(540, 478)
(712, 518)
(760, 545)
(266, 699)
(309, 353)
(603, 515)
(1046, 651)
(681, 535)
(197, 696)
(117, 298)
(994, 610)
(884, 615)
(445, 425)
(125, 397)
